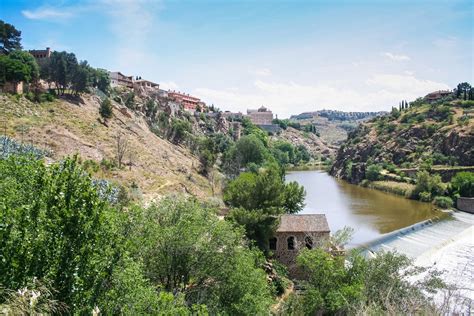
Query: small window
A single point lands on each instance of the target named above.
(273, 243)
(309, 242)
(291, 243)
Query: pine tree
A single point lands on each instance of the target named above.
(106, 109)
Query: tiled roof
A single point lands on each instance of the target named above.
(303, 223)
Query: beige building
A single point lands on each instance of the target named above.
(297, 232)
(262, 116)
(118, 79)
(145, 84)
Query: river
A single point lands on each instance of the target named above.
(371, 213)
(447, 244)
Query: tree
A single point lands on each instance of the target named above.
(259, 198)
(12, 70)
(463, 90)
(101, 80)
(57, 228)
(10, 38)
(187, 249)
(463, 184)
(353, 285)
(30, 62)
(105, 109)
(81, 77)
(373, 172)
(428, 186)
(121, 148)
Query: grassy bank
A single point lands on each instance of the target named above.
(399, 188)
(307, 167)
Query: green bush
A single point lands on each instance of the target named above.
(428, 186)
(425, 196)
(463, 184)
(443, 202)
(373, 172)
(105, 109)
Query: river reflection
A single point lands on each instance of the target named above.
(370, 212)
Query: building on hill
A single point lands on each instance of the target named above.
(262, 116)
(297, 232)
(436, 95)
(41, 53)
(118, 79)
(141, 83)
(188, 102)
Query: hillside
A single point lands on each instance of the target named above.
(66, 127)
(316, 146)
(424, 135)
(333, 126)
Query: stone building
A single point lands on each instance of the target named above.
(262, 116)
(297, 232)
(41, 53)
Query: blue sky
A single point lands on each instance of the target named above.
(291, 56)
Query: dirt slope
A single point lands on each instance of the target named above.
(67, 127)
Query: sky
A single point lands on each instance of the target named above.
(290, 56)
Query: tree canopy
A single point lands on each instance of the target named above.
(10, 38)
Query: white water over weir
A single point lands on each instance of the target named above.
(447, 245)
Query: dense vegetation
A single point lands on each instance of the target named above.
(72, 244)
(62, 71)
(57, 229)
(335, 115)
(415, 145)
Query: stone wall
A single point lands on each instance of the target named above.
(287, 256)
(465, 204)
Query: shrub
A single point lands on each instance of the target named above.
(463, 184)
(424, 196)
(428, 186)
(443, 202)
(105, 109)
(373, 172)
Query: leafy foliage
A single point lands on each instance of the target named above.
(383, 283)
(187, 249)
(258, 198)
(10, 38)
(463, 184)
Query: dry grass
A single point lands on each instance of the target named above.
(399, 188)
(158, 167)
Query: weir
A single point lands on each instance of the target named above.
(447, 244)
(419, 238)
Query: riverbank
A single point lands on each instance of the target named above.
(372, 213)
(308, 167)
(399, 188)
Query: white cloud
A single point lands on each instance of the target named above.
(405, 83)
(395, 57)
(285, 98)
(264, 72)
(47, 14)
(132, 24)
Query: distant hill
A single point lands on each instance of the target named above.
(440, 134)
(335, 115)
(332, 125)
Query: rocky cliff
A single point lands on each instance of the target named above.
(425, 134)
